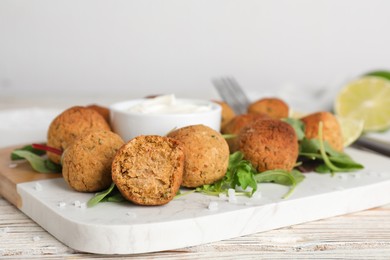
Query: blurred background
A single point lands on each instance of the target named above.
(103, 51)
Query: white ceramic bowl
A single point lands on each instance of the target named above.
(129, 124)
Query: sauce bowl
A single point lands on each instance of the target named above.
(129, 123)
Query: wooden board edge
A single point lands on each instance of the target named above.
(14, 172)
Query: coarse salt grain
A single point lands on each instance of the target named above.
(12, 165)
(357, 176)
(343, 176)
(232, 195)
(131, 215)
(222, 195)
(256, 195)
(38, 186)
(213, 205)
(36, 238)
(83, 205)
(77, 203)
(61, 204)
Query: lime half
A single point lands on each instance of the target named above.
(351, 129)
(367, 99)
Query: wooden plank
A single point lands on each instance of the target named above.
(13, 173)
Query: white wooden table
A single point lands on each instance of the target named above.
(362, 235)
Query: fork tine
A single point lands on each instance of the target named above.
(239, 91)
(232, 93)
(226, 94)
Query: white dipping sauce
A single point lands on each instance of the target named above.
(168, 104)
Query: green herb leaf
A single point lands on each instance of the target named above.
(28, 148)
(111, 194)
(282, 177)
(240, 173)
(38, 163)
(333, 161)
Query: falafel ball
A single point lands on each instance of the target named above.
(148, 170)
(331, 129)
(69, 125)
(103, 111)
(235, 125)
(269, 144)
(86, 163)
(273, 107)
(206, 154)
(227, 113)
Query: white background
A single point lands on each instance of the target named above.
(124, 49)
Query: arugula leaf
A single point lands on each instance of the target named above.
(282, 177)
(241, 173)
(111, 194)
(28, 148)
(38, 163)
(333, 161)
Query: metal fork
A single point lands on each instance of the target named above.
(232, 93)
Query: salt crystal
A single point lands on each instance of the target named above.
(38, 186)
(77, 203)
(213, 205)
(256, 195)
(343, 176)
(131, 215)
(61, 204)
(12, 165)
(232, 195)
(357, 176)
(36, 238)
(222, 195)
(83, 205)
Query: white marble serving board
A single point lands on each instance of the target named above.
(124, 228)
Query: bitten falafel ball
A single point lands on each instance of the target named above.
(235, 125)
(269, 144)
(227, 113)
(148, 170)
(273, 107)
(331, 129)
(86, 163)
(69, 125)
(206, 154)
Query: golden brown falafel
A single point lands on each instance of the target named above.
(206, 154)
(148, 170)
(235, 125)
(86, 163)
(273, 107)
(103, 111)
(227, 113)
(269, 144)
(69, 125)
(331, 130)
